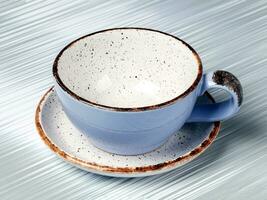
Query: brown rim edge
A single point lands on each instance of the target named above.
(122, 170)
(134, 109)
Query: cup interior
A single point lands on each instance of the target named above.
(128, 68)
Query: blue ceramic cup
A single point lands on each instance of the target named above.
(129, 89)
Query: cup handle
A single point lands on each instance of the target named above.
(222, 110)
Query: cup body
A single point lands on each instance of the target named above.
(128, 133)
(137, 129)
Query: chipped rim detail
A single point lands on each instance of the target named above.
(123, 170)
(130, 109)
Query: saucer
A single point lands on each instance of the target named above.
(74, 147)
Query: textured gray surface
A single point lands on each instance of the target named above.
(230, 35)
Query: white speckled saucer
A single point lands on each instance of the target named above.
(73, 146)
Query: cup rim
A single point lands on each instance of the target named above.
(129, 109)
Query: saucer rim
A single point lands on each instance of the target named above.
(96, 168)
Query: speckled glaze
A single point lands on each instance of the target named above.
(130, 89)
(75, 147)
(128, 68)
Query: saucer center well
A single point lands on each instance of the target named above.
(61, 136)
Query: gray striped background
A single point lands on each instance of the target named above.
(230, 35)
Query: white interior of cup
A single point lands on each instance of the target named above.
(128, 68)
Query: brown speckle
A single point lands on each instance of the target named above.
(227, 79)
